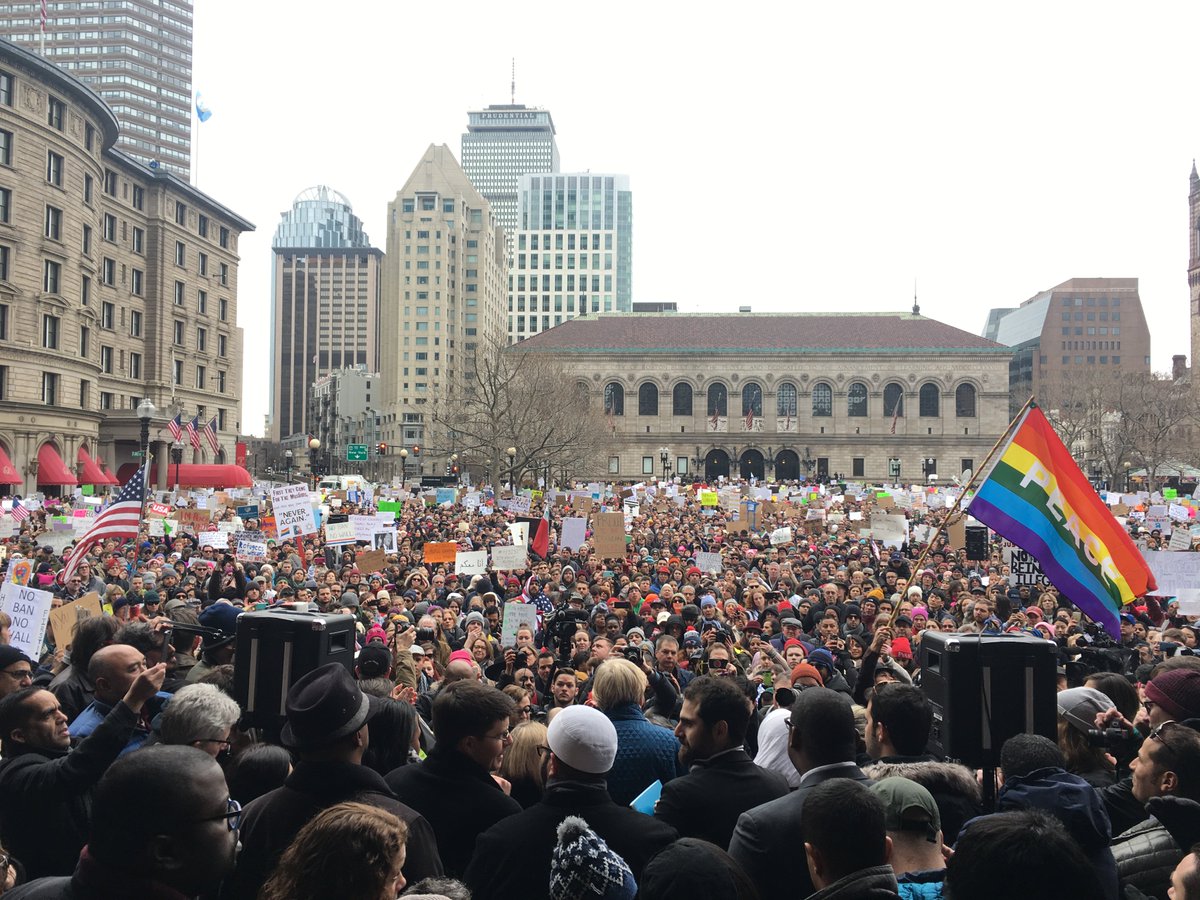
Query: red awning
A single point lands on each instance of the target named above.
(210, 475)
(51, 468)
(8, 472)
(112, 479)
(92, 473)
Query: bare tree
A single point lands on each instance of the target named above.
(1159, 415)
(520, 400)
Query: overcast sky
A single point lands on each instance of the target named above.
(807, 157)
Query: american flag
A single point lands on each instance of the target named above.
(193, 430)
(175, 426)
(19, 512)
(210, 434)
(120, 520)
(43, 16)
(896, 412)
(750, 420)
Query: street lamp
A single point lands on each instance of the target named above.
(177, 458)
(511, 453)
(145, 412)
(664, 457)
(403, 465)
(288, 455)
(314, 445)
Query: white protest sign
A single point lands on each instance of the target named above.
(29, 610)
(339, 533)
(520, 533)
(509, 559)
(252, 551)
(1189, 602)
(1174, 572)
(891, 531)
(1180, 540)
(364, 528)
(1024, 569)
(517, 615)
(293, 511)
(709, 562)
(470, 562)
(156, 527)
(216, 539)
(574, 533)
(1178, 512)
(781, 536)
(384, 539)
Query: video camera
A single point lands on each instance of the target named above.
(561, 625)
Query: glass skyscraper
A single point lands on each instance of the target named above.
(572, 251)
(503, 143)
(324, 302)
(136, 54)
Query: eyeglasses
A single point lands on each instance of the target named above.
(1158, 733)
(504, 737)
(19, 674)
(221, 742)
(542, 750)
(525, 710)
(232, 815)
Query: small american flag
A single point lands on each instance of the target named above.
(750, 420)
(43, 16)
(193, 430)
(120, 520)
(210, 434)
(896, 412)
(175, 426)
(19, 512)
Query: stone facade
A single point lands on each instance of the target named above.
(117, 282)
(784, 396)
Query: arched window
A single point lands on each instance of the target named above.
(785, 400)
(583, 391)
(822, 399)
(856, 400)
(681, 399)
(930, 399)
(718, 399)
(964, 401)
(893, 400)
(752, 399)
(614, 399)
(648, 399)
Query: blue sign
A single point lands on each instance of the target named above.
(249, 511)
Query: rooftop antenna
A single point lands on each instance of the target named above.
(513, 84)
(916, 306)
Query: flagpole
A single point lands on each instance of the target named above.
(970, 483)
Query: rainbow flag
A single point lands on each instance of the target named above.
(1036, 496)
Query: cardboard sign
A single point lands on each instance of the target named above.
(192, 520)
(440, 552)
(293, 511)
(64, 619)
(517, 615)
(510, 559)
(609, 534)
(470, 562)
(252, 551)
(372, 561)
(29, 610)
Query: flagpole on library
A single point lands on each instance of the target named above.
(971, 483)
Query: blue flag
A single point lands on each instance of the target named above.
(203, 113)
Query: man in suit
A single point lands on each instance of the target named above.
(821, 746)
(723, 782)
(515, 853)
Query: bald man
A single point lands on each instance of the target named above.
(113, 669)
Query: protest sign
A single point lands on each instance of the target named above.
(470, 562)
(249, 511)
(709, 562)
(509, 559)
(292, 504)
(443, 552)
(781, 536)
(392, 506)
(192, 520)
(64, 619)
(709, 498)
(218, 540)
(446, 496)
(889, 530)
(371, 561)
(609, 534)
(155, 509)
(1174, 572)
(339, 533)
(520, 533)
(29, 610)
(1024, 569)
(517, 615)
(1180, 540)
(252, 551)
(384, 539)
(364, 528)
(574, 533)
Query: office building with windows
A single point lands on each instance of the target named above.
(136, 54)
(501, 144)
(573, 251)
(443, 297)
(869, 396)
(118, 283)
(324, 303)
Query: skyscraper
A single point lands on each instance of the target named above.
(503, 143)
(324, 302)
(136, 54)
(443, 296)
(573, 250)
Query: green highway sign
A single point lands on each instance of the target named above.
(356, 453)
(136, 454)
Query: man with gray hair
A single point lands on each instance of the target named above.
(200, 716)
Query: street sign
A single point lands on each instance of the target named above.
(136, 454)
(356, 453)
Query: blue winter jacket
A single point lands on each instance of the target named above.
(645, 753)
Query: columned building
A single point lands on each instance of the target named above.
(1194, 273)
(118, 283)
(871, 396)
(324, 303)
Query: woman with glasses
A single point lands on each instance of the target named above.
(523, 763)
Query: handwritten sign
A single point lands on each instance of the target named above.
(709, 562)
(337, 533)
(372, 560)
(517, 615)
(29, 610)
(470, 562)
(609, 534)
(293, 511)
(442, 552)
(509, 559)
(64, 619)
(252, 551)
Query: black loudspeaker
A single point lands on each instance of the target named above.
(275, 648)
(977, 541)
(985, 689)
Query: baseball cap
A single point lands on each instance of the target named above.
(907, 806)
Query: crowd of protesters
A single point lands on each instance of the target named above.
(659, 731)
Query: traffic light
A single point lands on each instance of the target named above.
(454, 470)
(381, 449)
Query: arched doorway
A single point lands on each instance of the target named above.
(787, 466)
(716, 465)
(751, 465)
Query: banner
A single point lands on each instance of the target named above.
(292, 505)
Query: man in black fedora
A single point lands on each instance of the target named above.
(326, 727)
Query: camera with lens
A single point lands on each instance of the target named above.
(1115, 738)
(633, 654)
(562, 623)
(425, 635)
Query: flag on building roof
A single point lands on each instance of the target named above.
(1036, 496)
(119, 521)
(210, 434)
(203, 113)
(175, 426)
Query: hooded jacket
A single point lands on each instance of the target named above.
(1076, 804)
(875, 883)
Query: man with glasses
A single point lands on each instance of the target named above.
(162, 825)
(453, 788)
(16, 670)
(1167, 765)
